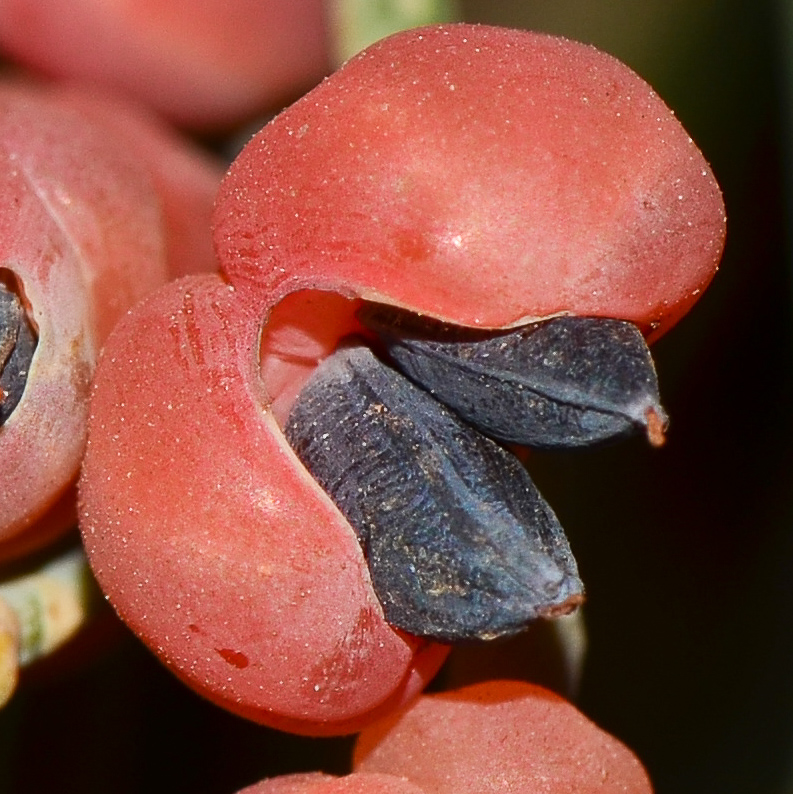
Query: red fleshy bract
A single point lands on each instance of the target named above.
(101, 206)
(479, 175)
(499, 737)
(209, 536)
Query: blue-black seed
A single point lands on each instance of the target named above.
(459, 543)
(17, 345)
(561, 383)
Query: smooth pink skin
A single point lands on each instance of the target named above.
(212, 541)
(102, 206)
(500, 737)
(200, 64)
(482, 175)
(317, 783)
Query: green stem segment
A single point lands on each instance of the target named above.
(355, 24)
(40, 610)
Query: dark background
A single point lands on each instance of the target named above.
(687, 551)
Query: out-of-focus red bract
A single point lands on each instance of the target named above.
(100, 206)
(204, 64)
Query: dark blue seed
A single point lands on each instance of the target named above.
(17, 345)
(562, 383)
(459, 543)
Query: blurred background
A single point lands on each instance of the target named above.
(687, 551)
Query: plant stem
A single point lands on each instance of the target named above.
(40, 611)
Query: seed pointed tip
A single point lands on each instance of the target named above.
(656, 422)
(567, 606)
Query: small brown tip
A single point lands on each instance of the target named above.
(656, 426)
(567, 606)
